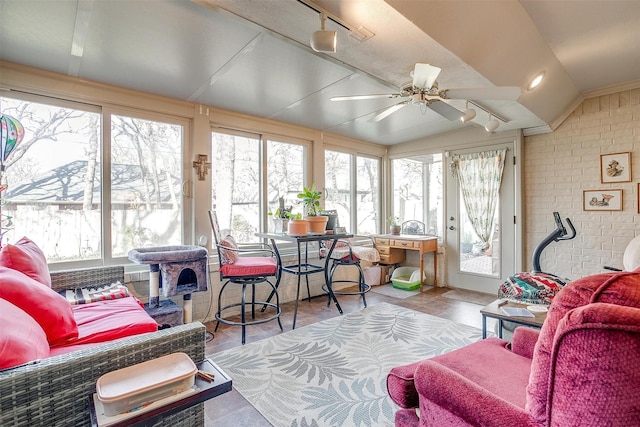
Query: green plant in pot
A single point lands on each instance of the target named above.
(297, 226)
(310, 198)
(279, 219)
(394, 226)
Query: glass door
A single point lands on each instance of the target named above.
(472, 263)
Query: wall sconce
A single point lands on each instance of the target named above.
(202, 166)
(324, 41)
(469, 113)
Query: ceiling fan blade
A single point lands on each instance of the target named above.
(358, 97)
(388, 112)
(445, 110)
(424, 75)
(507, 93)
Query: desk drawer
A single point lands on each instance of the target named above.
(383, 241)
(391, 255)
(406, 244)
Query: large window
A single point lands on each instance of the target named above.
(355, 196)
(146, 184)
(55, 181)
(418, 191)
(242, 163)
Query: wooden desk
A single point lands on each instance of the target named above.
(392, 250)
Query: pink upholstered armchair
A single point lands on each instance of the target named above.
(581, 368)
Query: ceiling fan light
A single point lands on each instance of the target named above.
(469, 114)
(491, 125)
(324, 41)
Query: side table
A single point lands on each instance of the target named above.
(493, 310)
(205, 390)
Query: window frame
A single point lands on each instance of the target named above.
(106, 110)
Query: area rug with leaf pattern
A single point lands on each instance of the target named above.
(333, 373)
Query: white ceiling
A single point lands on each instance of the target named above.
(252, 56)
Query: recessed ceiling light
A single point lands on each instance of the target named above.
(536, 81)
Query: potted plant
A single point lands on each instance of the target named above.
(394, 226)
(297, 226)
(280, 218)
(310, 198)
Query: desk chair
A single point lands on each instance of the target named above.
(349, 252)
(260, 268)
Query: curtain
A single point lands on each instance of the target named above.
(480, 176)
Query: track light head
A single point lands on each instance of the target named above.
(469, 114)
(491, 125)
(324, 41)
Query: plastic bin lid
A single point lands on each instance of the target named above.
(144, 376)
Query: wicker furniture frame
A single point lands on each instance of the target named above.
(55, 391)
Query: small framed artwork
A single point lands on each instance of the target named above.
(602, 200)
(615, 167)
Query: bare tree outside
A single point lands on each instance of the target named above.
(55, 179)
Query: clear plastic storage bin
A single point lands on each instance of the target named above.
(128, 388)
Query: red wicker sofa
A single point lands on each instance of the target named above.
(52, 355)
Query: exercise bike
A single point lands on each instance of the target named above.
(538, 287)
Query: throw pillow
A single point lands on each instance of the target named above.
(91, 294)
(22, 340)
(52, 312)
(228, 257)
(27, 257)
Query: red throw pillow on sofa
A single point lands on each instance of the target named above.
(22, 340)
(52, 312)
(27, 257)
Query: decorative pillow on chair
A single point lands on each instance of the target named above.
(22, 340)
(91, 294)
(27, 257)
(228, 257)
(52, 312)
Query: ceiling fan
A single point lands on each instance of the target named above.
(424, 91)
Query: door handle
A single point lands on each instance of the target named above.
(451, 227)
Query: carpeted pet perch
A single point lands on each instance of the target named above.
(177, 270)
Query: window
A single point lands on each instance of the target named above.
(355, 196)
(55, 181)
(240, 200)
(146, 184)
(418, 191)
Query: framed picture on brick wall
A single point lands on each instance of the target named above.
(602, 200)
(615, 167)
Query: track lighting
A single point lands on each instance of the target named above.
(324, 41)
(469, 113)
(491, 125)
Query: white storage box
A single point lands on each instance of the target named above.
(407, 278)
(128, 388)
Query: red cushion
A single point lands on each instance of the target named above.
(109, 320)
(47, 307)
(251, 266)
(22, 340)
(27, 257)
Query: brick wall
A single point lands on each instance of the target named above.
(558, 166)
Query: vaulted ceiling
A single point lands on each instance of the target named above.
(253, 56)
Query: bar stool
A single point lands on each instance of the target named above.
(345, 253)
(245, 271)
